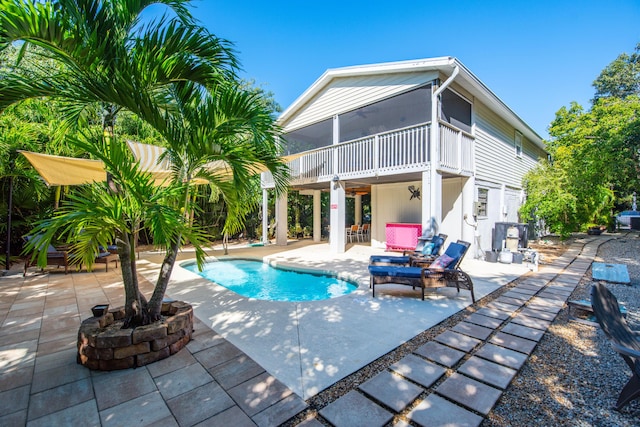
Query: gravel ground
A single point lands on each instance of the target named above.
(573, 378)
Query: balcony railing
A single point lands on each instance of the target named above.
(456, 150)
(388, 153)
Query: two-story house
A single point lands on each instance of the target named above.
(426, 139)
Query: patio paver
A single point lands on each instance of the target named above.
(258, 393)
(531, 322)
(199, 404)
(355, 410)
(457, 340)
(145, 410)
(436, 411)
(523, 331)
(513, 342)
(440, 353)
(491, 373)
(469, 392)
(392, 390)
(473, 330)
(504, 356)
(419, 370)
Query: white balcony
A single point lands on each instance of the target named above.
(395, 152)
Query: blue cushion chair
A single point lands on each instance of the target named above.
(436, 241)
(426, 277)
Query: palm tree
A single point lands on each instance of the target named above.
(172, 74)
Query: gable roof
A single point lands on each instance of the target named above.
(436, 66)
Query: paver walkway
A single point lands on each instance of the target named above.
(457, 378)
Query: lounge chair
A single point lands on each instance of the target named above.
(436, 241)
(624, 340)
(107, 257)
(443, 272)
(55, 257)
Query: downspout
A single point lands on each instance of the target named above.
(434, 146)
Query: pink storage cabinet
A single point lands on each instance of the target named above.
(402, 236)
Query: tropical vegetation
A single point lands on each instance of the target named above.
(593, 168)
(169, 74)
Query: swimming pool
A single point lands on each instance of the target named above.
(255, 279)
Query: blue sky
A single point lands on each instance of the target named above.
(536, 56)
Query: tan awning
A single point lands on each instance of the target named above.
(58, 170)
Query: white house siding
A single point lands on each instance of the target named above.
(348, 93)
(496, 160)
(494, 213)
(390, 203)
(452, 209)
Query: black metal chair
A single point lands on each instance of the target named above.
(426, 277)
(623, 340)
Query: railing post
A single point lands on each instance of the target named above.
(376, 154)
(460, 156)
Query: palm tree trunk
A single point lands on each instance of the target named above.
(134, 310)
(155, 303)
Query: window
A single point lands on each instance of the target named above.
(481, 204)
(518, 144)
(314, 136)
(407, 109)
(455, 110)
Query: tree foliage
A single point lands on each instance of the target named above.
(170, 74)
(621, 78)
(595, 154)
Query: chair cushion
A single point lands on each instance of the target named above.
(442, 262)
(428, 249)
(437, 244)
(388, 259)
(455, 251)
(392, 271)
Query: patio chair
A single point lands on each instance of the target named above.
(352, 233)
(443, 272)
(107, 257)
(363, 232)
(623, 340)
(406, 258)
(55, 257)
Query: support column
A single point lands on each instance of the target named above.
(432, 203)
(337, 201)
(282, 226)
(425, 201)
(317, 216)
(358, 209)
(469, 226)
(265, 216)
(337, 218)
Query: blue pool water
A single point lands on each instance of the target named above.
(255, 279)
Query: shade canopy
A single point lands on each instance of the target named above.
(58, 170)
